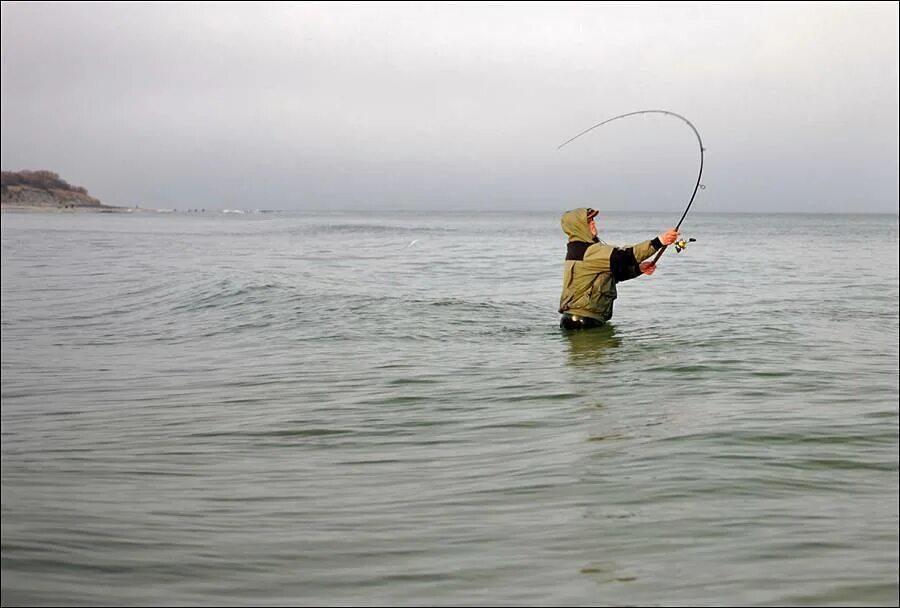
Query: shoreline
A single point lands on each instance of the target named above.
(26, 208)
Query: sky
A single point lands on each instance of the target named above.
(321, 105)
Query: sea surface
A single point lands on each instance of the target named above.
(336, 409)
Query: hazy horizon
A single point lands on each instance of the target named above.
(417, 106)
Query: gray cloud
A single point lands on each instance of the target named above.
(318, 105)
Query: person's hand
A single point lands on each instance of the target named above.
(669, 236)
(648, 268)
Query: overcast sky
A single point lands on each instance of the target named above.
(421, 105)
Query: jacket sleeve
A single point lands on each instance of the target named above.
(625, 262)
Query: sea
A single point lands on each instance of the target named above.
(379, 409)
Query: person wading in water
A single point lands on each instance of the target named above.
(593, 268)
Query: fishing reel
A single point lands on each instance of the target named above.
(682, 244)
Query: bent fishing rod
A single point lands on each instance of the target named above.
(681, 244)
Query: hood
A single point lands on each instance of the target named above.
(575, 224)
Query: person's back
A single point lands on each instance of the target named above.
(593, 268)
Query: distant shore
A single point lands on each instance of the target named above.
(46, 191)
(27, 198)
(23, 208)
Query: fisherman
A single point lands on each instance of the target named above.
(593, 268)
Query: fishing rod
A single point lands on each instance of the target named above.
(680, 244)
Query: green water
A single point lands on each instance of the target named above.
(331, 409)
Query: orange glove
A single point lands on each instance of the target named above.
(669, 236)
(648, 268)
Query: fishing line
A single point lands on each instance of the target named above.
(697, 186)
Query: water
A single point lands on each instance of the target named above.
(378, 409)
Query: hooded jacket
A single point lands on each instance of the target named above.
(593, 268)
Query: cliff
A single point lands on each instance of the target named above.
(44, 190)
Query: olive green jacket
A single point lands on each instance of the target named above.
(593, 268)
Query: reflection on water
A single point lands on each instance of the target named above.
(588, 347)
